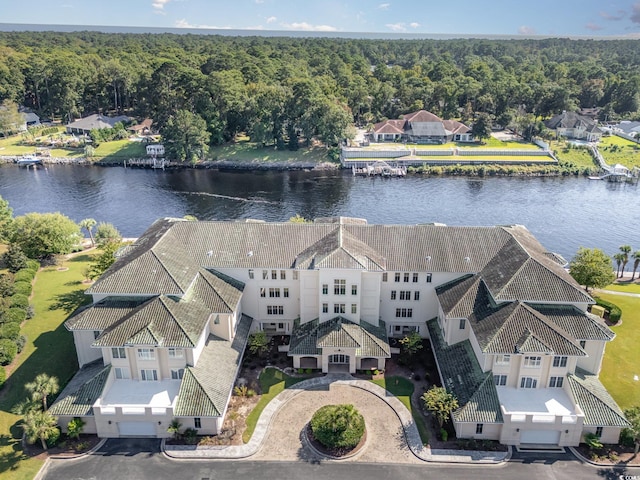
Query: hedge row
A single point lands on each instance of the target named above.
(615, 314)
(11, 342)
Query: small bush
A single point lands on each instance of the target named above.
(3, 377)
(592, 441)
(14, 258)
(338, 426)
(251, 392)
(190, 436)
(8, 351)
(20, 343)
(444, 435)
(22, 288)
(19, 301)
(33, 265)
(376, 372)
(301, 370)
(240, 390)
(626, 438)
(10, 330)
(308, 371)
(30, 312)
(24, 275)
(53, 438)
(14, 315)
(615, 314)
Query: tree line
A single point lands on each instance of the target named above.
(284, 90)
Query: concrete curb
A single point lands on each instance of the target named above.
(350, 456)
(409, 427)
(586, 461)
(45, 466)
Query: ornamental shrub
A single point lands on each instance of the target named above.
(338, 426)
(33, 265)
(615, 314)
(10, 330)
(8, 351)
(3, 377)
(24, 275)
(20, 342)
(23, 288)
(14, 315)
(14, 258)
(19, 301)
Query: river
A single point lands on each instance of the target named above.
(563, 213)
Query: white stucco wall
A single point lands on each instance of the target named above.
(85, 352)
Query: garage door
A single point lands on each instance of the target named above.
(547, 437)
(137, 429)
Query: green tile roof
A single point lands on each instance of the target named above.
(580, 325)
(205, 388)
(599, 407)
(82, 391)
(461, 374)
(103, 314)
(311, 337)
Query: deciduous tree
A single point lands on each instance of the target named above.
(185, 137)
(44, 234)
(591, 267)
(440, 403)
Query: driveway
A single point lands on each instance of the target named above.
(385, 437)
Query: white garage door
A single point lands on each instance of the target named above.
(547, 437)
(137, 429)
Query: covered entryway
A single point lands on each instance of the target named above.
(137, 429)
(339, 363)
(545, 437)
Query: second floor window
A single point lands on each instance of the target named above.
(500, 380)
(559, 361)
(393, 294)
(556, 382)
(285, 292)
(404, 312)
(274, 292)
(148, 375)
(146, 354)
(354, 289)
(339, 287)
(405, 294)
(275, 310)
(532, 362)
(325, 289)
(325, 308)
(415, 278)
(339, 308)
(118, 352)
(503, 359)
(176, 353)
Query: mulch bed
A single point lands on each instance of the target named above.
(335, 452)
(611, 455)
(65, 447)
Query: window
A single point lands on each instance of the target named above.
(404, 312)
(354, 289)
(325, 308)
(462, 324)
(582, 343)
(274, 274)
(415, 278)
(405, 294)
(146, 354)
(416, 295)
(265, 274)
(122, 373)
(598, 432)
(384, 276)
(325, 289)
(528, 382)
(263, 292)
(406, 277)
(216, 321)
(176, 353)
(197, 423)
(354, 308)
(251, 274)
(532, 362)
(339, 287)
(556, 382)
(503, 359)
(429, 276)
(397, 277)
(177, 373)
(479, 427)
(283, 274)
(96, 334)
(397, 328)
(274, 292)
(275, 310)
(118, 352)
(393, 294)
(559, 361)
(338, 308)
(500, 380)
(148, 375)
(285, 292)
(295, 274)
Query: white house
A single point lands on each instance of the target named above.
(165, 334)
(155, 150)
(421, 127)
(574, 125)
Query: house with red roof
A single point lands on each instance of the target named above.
(421, 127)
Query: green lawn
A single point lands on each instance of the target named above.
(622, 357)
(49, 349)
(272, 382)
(624, 287)
(249, 152)
(403, 389)
(120, 150)
(616, 149)
(580, 157)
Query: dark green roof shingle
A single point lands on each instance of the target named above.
(599, 407)
(83, 390)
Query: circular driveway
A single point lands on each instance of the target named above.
(385, 437)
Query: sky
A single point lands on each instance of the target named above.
(597, 18)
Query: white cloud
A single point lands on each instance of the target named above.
(259, 1)
(414, 24)
(619, 15)
(593, 27)
(308, 27)
(384, 6)
(526, 30)
(271, 19)
(158, 5)
(396, 27)
(182, 23)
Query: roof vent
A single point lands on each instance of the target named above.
(428, 258)
(467, 259)
(210, 253)
(250, 253)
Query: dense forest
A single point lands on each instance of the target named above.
(279, 89)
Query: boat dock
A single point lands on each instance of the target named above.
(380, 168)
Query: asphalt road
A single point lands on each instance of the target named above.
(137, 459)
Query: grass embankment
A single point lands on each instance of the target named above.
(272, 382)
(118, 151)
(622, 357)
(250, 153)
(616, 149)
(570, 154)
(624, 287)
(403, 390)
(49, 349)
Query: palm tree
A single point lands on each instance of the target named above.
(636, 263)
(626, 250)
(174, 428)
(88, 224)
(42, 387)
(39, 425)
(619, 258)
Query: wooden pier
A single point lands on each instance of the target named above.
(382, 169)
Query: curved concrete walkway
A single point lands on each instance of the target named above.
(409, 430)
(615, 292)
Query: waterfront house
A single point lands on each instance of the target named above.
(421, 127)
(574, 125)
(510, 329)
(96, 121)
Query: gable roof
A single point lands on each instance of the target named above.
(580, 325)
(206, 387)
(389, 126)
(599, 407)
(82, 391)
(103, 314)
(570, 120)
(421, 116)
(97, 121)
(311, 337)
